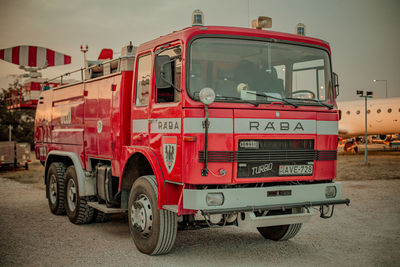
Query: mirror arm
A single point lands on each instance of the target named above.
(176, 88)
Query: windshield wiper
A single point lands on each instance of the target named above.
(273, 97)
(313, 100)
(236, 98)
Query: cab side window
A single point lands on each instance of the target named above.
(143, 81)
(172, 93)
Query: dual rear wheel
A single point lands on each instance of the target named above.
(77, 208)
(63, 196)
(55, 188)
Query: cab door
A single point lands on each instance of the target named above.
(166, 115)
(140, 108)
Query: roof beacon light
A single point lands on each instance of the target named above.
(301, 29)
(261, 22)
(197, 18)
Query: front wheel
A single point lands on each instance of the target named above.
(77, 207)
(152, 230)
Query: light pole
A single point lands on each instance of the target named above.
(368, 94)
(385, 85)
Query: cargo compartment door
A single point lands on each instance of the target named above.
(90, 121)
(105, 141)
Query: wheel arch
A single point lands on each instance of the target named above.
(142, 161)
(86, 183)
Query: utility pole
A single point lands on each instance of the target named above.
(368, 94)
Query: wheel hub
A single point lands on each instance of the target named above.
(142, 215)
(53, 189)
(71, 195)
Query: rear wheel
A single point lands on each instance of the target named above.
(152, 230)
(55, 187)
(77, 207)
(99, 216)
(280, 232)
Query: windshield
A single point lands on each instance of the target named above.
(251, 70)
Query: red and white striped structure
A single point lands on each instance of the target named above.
(34, 56)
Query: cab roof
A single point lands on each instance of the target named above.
(186, 34)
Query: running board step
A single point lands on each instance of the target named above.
(105, 209)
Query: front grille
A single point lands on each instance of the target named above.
(323, 155)
(269, 155)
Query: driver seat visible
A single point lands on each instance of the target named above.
(275, 84)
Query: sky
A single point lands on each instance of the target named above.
(364, 34)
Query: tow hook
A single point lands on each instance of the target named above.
(325, 210)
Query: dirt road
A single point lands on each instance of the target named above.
(365, 234)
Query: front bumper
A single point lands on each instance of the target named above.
(263, 198)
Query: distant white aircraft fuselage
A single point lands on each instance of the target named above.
(383, 117)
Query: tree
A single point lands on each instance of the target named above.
(22, 120)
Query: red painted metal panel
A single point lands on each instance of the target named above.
(191, 167)
(67, 115)
(2, 54)
(121, 122)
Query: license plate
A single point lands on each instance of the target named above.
(295, 169)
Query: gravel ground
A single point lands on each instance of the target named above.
(382, 165)
(365, 234)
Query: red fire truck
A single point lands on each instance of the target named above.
(206, 126)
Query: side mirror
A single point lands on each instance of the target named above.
(163, 71)
(336, 84)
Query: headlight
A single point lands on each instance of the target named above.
(215, 199)
(207, 96)
(330, 191)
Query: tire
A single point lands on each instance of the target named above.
(152, 230)
(100, 217)
(77, 209)
(280, 232)
(55, 188)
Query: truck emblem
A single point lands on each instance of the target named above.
(99, 126)
(272, 126)
(169, 152)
